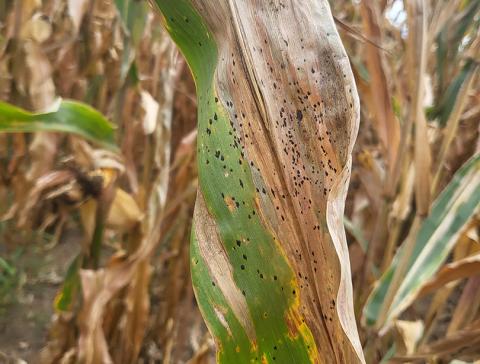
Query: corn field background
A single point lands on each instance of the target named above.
(98, 181)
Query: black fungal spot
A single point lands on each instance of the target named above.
(299, 115)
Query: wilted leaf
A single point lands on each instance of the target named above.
(380, 99)
(467, 307)
(150, 106)
(417, 66)
(463, 344)
(37, 28)
(77, 10)
(463, 268)
(407, 334)
(124, 212)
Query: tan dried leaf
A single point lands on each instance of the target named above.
(124, 212)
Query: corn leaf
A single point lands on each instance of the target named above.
(446, 104)
(451, 212)
(71, 117)
(134, 16)
(449, 44)
(278, 115)
(71, 285)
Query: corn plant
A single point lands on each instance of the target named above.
(277, 119)
(278, 116)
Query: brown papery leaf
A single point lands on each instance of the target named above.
(417, 65)
(386, 124)
(463, 344)
(467, 307)
(407, 334)
(463, 268)
(98, 288)
(76, 10)
(124, 212)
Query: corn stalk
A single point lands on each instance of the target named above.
(278, 114)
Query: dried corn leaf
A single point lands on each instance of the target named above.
(460, 269)
(380, 105)
(124, 212)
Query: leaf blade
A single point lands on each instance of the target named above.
(456, 205)
(70, 117)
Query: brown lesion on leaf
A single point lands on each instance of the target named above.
(264, 359)
(220, 313)
(293, 321)
(230, 203)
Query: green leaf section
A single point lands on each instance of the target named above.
(450, 40)
(133, 14)
(71, 285)
(233, 341)
(71, 117)
(260, 268)
(446, 104)
(450, 213)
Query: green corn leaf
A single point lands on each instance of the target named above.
(449, 43)
(277, 118)
(445, 106)
(6, 268)
(451, 212)
(70, 117)
(71, 285)
(133, 14)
